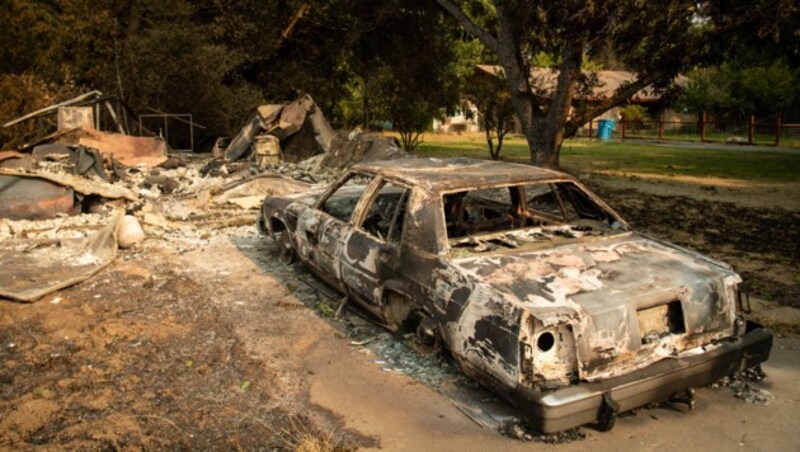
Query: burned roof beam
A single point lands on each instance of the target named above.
(53, 108)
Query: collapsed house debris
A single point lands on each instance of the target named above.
(35, 267)
(298, 131)
(300, 127)
(54, 198)
(79, 123)
(49, 235)
(79, 172)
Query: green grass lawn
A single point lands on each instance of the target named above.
(630, 157)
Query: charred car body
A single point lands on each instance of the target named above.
(540, 291)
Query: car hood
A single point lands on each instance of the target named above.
(599, 285)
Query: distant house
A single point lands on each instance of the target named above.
(463, 119)
(466, 118)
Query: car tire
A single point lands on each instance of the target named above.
(286, 250)
(396, 310)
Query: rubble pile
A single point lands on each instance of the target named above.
(59, 192)
(300, 128)
(297, 132)
(34, 267)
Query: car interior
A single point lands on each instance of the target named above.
(489, 211)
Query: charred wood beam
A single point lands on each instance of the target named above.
(54, 107)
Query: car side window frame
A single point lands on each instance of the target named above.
(339, 184)
(571, 187)
(555, 194)
(366, 203)
(516, 194)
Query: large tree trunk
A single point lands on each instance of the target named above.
(517, 78)
(543, 129)
(545, 144)
(544, 126)
(550, 128)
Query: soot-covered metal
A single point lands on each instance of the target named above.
(539, 290)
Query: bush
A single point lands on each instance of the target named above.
(22, 94)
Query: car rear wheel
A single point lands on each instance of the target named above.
(285, 243)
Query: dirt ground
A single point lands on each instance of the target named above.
(761, 243)
(203, 339)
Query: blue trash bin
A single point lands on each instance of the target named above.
(605, 128)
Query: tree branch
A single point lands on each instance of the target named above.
(473, 28)
(620, 96)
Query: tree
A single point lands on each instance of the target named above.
(656, 40)
(757, 70)
(735, 92)
(495, 110)
(407, 64)
(218, 59)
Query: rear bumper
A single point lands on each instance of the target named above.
(584, 403)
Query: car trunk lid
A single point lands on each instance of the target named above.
(631, 300)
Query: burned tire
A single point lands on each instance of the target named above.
(427, 333)
(286, 250)
(396, 311)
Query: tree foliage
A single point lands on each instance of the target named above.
(731, 92)
(409, 66)
(757, 72)
(217, 59)
(655, 40)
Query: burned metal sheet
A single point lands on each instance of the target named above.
(33, 268)
(128, 150)
(348, 149)
(299, 125)
(270, 113)
(78, 184)
(16, 160)
(23, 198)
(239, 146)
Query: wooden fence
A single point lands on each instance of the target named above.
(768, 131)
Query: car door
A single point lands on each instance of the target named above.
(369, 255)
(321, 229)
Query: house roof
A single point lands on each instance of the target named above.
(610, 81)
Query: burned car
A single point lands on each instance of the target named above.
(540, 291)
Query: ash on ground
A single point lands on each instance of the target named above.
(519, 430)
(745, 385)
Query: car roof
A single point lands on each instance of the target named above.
(449, 174)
